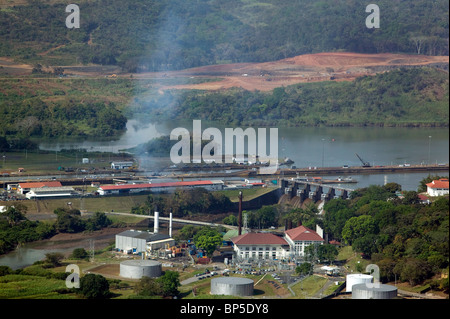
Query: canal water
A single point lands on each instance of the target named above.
(306, 146)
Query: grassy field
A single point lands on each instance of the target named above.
(121, 204)
(31, 287)
(309, 286)
(247, 194)
(39, 162)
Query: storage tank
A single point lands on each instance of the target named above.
(136, 269)
(380, 291)
(354, 279)
(232, 286)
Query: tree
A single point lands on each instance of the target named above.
(366, 245)
(54, 259)
(148, 287)
(94, 286)
(69, 221)
(230, 220)
(15, 214)
(304, 269)
(357, 227)
(209, 243)
(170, 282)
(79, 253)
(413, 270)
(327, 252)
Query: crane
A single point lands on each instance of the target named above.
(365, 164)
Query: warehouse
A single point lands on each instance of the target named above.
(48, 192)
(158, 187)
(24, 188)
(135, 241)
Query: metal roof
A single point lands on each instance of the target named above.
(143, 235)
(170, 184)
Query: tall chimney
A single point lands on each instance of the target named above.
(156, 226)
(240, 214)
(170, 225)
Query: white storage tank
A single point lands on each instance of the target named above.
(136, 269)
(354, 279)
(232, 286)
(380, 291)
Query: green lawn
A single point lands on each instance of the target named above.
(308, 287)
(31, 287)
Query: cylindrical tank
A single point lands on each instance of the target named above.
(232, 286)
(136, 269)
(380, 291)
(354, 279)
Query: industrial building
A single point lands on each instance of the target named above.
(49, 192)
(260, 246)
(301, 237)
(23, 188)
(158, 187)
(136, 241)
(271, 246)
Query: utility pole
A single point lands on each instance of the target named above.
(240, 214)
(429, 149)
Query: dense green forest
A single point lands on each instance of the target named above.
(56, 108)
(142, 35)
(403, 237)
(404, 97)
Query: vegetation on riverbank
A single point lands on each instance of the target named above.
(405, 97)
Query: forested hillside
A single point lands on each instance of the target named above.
(142, 35)
(397, 98)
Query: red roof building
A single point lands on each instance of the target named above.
(260, 246)
(271, 246)
(301, 237)
(25, 187)
(438, 187)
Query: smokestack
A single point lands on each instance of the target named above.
(240, 214)
(170, 225)
(156, 227)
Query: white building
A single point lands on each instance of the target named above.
(24, 188)
(271, 246)
(301, 237)
(121, 165)
(159, 187)
(135, 241)
(46, 192)
(438, 187)
(260, 246)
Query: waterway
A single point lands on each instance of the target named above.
(306, 146)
